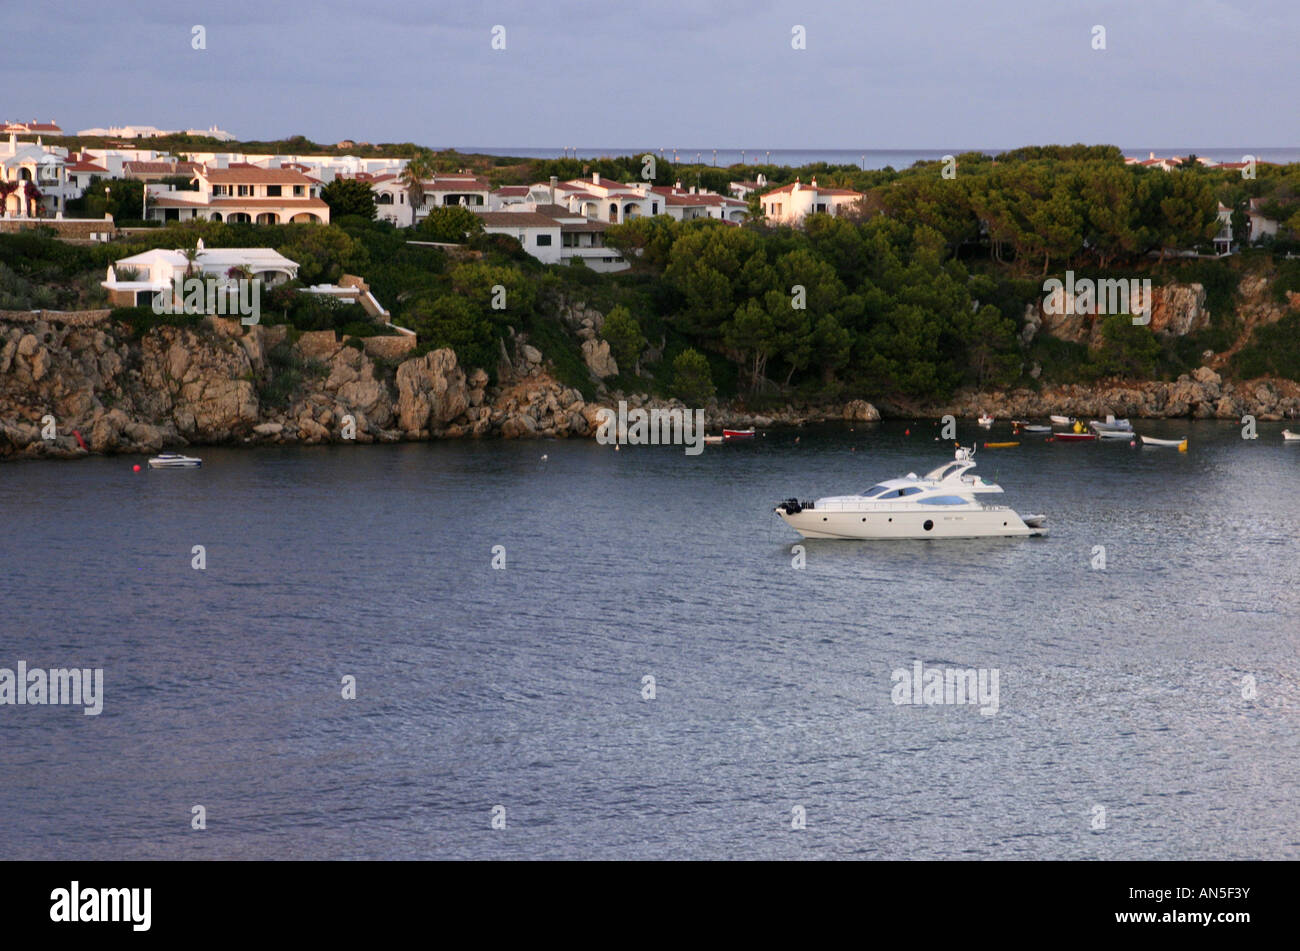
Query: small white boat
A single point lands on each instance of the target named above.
(1288, 436)
(730, 434)
(945, 503)
(1153, 441)
(1112, 425)
(174, 460)
(985, 419)
(1115, 434)
(1062, 420)
(714, 440)
(1033, 428)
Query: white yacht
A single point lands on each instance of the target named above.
(174, 460)
(941, 504)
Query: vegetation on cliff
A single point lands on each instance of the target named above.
(924, 290)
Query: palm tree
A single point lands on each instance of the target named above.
(419, 168)
(191, 256)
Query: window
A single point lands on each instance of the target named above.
(943, 500)
(220, 189)
(272, 191)
(654, 208)
(245, 191)
(543, 240)
(297, 191)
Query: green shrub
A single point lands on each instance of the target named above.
(692, 382)
(1271, 351)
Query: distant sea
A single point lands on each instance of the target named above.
(862, 158)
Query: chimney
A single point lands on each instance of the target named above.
(595, 178)
(554, 179)
(692, 189)
(678, 186)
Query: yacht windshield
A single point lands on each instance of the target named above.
(886, 492)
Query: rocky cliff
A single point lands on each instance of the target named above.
(104, 391)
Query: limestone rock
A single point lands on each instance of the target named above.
(599, 360)
(431, 391)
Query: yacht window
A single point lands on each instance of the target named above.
(943, 500)
(875, 490)
(906, 490)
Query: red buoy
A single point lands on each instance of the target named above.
(136, 467)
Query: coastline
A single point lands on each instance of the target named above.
(179, 387)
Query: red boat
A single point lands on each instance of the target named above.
(738, 434)
(1073, 437)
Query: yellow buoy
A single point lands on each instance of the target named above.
(1182, 446)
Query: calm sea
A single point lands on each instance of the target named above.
(862, 158)
(1146, 710)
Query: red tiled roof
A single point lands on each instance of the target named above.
(30, 127)
(160, 168)
(250, 175)
(464, 182)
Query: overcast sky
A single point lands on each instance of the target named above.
(669, 73)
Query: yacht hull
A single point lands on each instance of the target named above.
(974, 523)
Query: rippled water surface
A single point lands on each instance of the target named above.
(1120, 688)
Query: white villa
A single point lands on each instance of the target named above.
(459, 189)
(81, 169)
(687, 205)
(555, 235)
(35, 180)
(789, 204)
(149, 132)
(156, 270)
(242, 193)
(743, 190)
(32, 128)
(1260, 226)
